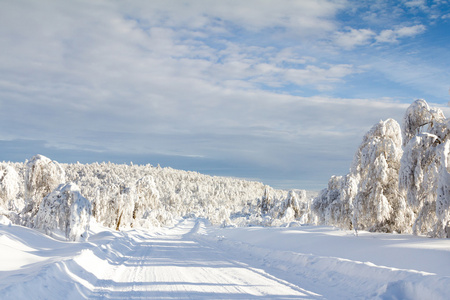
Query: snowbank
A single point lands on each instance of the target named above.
(374, 265)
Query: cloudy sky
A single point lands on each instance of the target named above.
(277, 91)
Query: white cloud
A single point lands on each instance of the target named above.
(393, 35)
(415, 3)
(387, 36)
(354, 37)
(408, 31)
(291, 56)
(304, 17)
(319, 77)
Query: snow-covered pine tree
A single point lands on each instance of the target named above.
(266, 202)
(293, 201)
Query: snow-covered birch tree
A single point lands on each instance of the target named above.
(42, 176)
(9, 186)
(443, 194)
(423, 171)
(419, 117)
(378, 204)
(419, 178)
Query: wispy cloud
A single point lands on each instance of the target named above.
(359, 37)
(354, 37)
(393, 35)
(304, 17)
(415, 3)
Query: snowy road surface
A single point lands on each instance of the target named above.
(171, 266)
(138, 264)
(193, 261)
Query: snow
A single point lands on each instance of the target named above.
(195, 260)
(391, 250)
(18, 254)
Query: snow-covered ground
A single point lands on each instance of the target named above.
(192, 260)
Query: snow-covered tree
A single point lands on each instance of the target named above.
(419, 117)
(322, 204)
(423, 172)
(266, 202)
(334, 205)
(42, 176)
(146, 200)
(293, 201)
(65, 210)
(11, 194)
(378, 204)
(9, 186)
(443, 194)
(419, 179)
(343, 209)
(295, 207)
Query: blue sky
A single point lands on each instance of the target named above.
(277, 91)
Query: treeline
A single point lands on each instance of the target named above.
(50, 196)
(399, 180)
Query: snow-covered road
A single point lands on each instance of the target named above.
(194, 261)
(168, 263)
(171, 265)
